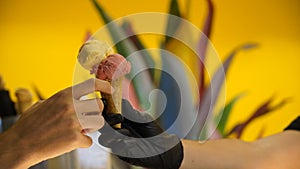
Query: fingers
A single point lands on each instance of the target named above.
(73, 140)
(89, 111)
(134, 116)
(89, 107)
(90, 86)
(103, 86)
(85, 141)
(91, 123)
(89, 114)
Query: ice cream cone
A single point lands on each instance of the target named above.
(96, 56)
(114, 101)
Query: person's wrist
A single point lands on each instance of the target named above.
(178, 162)
(174, 156)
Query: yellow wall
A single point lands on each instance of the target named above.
(40, 40)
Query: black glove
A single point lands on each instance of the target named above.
(140, 140)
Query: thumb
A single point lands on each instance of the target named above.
(85, 141)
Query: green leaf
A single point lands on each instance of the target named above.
(211, 93)
(128, 29)
(188, 5)
(172, 24)
(142, 83)
(222, 117)
(37, 92)
(179, 110)
(202, 45)
(262, 110)
(115, 31)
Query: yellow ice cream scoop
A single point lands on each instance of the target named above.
(92, 53)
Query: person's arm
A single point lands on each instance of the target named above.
(278, 151)
(216, 154)
(50, 128)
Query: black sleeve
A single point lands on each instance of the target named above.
(295, 125)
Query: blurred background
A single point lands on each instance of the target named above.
(39, 42)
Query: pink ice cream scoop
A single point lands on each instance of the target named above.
(112, 67)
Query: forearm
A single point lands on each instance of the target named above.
(216, 154)
(281, 150)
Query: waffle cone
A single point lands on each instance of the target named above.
(114, 101)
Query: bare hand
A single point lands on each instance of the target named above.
(51, 127)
